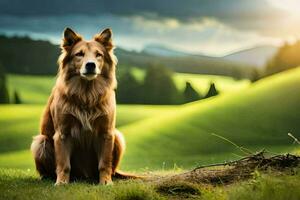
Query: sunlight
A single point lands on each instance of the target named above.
(292, 6)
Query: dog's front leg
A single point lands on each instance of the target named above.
(105, 161)
(62, 146)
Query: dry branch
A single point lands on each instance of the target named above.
(229, 172)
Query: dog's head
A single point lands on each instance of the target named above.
(87, 59)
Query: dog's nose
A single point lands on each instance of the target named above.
(90, 67)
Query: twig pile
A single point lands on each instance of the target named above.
(229, 172)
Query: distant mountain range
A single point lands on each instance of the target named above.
(160, 50)
(256, 56)
(185, 63)
(22, 55)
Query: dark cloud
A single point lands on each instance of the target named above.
(210, 26)
(228, 11)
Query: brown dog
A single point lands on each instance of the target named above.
(78, 139)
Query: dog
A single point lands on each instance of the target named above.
(78, 139)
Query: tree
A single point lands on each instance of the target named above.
(128, 90)
(159, 87)
(190, 94)
(287, 57)
(4, 96)
(255, 75)
(212, 91)
(17, 99)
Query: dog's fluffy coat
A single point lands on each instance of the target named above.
(78, 139)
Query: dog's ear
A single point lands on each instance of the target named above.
(70, 38)
(105, 38)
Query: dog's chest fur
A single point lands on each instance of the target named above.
(86, 116)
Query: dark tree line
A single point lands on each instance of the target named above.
(22, 55)
(157, 87)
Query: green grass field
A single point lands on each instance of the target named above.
(163, 138)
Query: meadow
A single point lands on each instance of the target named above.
(164, 138)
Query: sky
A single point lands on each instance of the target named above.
(210, 27)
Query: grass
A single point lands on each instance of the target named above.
(267, 187)
(32, 89)
(25, 185)
(16, 182)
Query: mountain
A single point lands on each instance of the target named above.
(22, 55)
(257, 56)
(160, 50)
(258, 117)
(196, 64)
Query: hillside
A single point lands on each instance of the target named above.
(256, 56)
(256, 118)
(22, 55)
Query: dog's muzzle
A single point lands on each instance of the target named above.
(90, 69)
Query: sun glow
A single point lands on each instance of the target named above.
(291, 6)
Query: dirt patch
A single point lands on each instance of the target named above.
(178, 189)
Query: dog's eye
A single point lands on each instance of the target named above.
(98, 55)
(79, 54)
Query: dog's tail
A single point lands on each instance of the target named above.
(125, 176)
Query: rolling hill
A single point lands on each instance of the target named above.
(162, 137)
(255, 118)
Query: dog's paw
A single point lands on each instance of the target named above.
(59, 183)
(105, 180)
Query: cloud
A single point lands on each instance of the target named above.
(227, 11)
(213, 27)
(207, 36)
